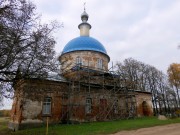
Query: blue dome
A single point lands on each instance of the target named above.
(84, 43)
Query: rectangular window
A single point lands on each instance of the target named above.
(78, 61)
(99, 63)
(88, 108)
(47, 106)
(115, 106)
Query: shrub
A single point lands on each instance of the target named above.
(4, 113)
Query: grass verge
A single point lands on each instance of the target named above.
(95, 128)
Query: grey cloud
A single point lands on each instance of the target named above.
(146, 30)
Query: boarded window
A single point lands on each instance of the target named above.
(47, 106)
(103, 104)
(88, 108)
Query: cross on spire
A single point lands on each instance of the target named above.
(84, 6)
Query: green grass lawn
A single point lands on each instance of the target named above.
(95, 128)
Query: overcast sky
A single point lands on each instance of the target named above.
(146, 30)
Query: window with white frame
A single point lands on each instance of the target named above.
(100, 63)
(78, 60)
(88, 107)
(47, 106)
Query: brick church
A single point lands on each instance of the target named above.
(85, 91)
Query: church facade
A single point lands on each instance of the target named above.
(86, 90)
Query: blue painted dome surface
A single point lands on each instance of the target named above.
(84, 43)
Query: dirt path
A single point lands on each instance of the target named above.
(172, 129)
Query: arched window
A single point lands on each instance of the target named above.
(78, 61)
(100, 63)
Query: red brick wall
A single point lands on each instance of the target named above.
(68, 103)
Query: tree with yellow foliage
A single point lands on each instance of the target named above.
(174, 78)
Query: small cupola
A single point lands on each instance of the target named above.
(84, 16)
(84, 26)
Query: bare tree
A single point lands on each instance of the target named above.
(26, 45)
(143, 77)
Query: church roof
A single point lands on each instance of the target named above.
(84, 43)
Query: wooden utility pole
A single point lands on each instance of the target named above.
(47, 123)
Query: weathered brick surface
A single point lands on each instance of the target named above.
(144, 104)
(28, 101)
(69, 102)
(89, 58)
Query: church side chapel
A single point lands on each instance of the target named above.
(86, 90)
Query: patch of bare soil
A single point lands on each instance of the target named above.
(172, 129)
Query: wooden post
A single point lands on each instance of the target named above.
(47, 125)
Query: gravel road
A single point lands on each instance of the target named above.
(172, 129)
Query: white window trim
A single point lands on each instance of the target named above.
(46, 110)
(100, 63)
(78, 60)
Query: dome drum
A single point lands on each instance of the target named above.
(91, 59)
